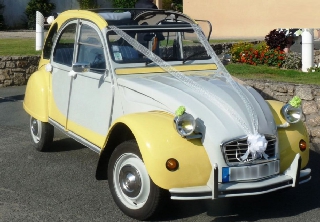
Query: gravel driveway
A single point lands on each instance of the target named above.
(18, 34)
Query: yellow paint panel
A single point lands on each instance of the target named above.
(147, 70)
(158, 141)
(289, 138)
(87, 134)
(36, 97)
(81, 14)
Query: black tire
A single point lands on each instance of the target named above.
(126, 171)
(41, 134)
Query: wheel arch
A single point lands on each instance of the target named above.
(158, 141)
(119, 133)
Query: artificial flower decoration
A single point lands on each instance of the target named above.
(295, 102)
(180, 111)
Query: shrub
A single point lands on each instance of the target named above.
(87, 4)
(276, 39)
(292, 60)
(42, 6)
(2, 24)
(123, 3)
(238, 49)
(258, 54)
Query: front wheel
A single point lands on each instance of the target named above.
(41, 134)
(131, 187)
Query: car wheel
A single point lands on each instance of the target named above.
(41, 134)
(131, 187)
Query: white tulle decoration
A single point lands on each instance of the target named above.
(257, 144)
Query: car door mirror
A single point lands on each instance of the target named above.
(81, 67)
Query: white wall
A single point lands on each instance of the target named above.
(14, 9)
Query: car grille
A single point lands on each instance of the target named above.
(236, 148)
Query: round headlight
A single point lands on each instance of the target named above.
(291, 114)
(185, 124)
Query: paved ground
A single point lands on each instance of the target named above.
(60, 185)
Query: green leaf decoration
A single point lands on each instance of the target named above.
(180, 111)
(295, 102)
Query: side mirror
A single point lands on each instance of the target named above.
(81, 67)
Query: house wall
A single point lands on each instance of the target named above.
(253, 18)
(14, 9)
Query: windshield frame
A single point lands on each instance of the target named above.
(184, 27)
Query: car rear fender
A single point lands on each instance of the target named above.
(36, 97)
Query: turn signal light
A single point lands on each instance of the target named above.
(302, 145)
(172, 164)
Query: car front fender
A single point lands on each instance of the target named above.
(158, 141)
(36, 96)
(289, 138)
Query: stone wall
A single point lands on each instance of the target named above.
(309, 94)
(15, 70)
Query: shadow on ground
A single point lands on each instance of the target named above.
(280, 204)
(65, 144)
(12, 98)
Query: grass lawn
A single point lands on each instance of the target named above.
(244, 71)
(18, 47)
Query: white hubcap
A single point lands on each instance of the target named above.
(36, 129)
(131, 181)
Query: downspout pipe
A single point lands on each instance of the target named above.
(307, 49)
(39, 31)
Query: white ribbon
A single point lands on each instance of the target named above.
(257, 144)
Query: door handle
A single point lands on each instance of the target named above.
(72, 74)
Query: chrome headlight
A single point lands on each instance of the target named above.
(185, 124)
(291, 114)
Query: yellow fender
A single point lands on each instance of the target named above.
(289, 138)
(158, 141)
(36, 97)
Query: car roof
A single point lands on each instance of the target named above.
(126, 18)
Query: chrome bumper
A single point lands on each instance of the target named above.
(290, 178)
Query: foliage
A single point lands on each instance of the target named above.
(255, 55)
(238, 48)
(2, 24)
(292, 60)
(316, 68)
(42, 6)
(177, 5)
(166, 4)
(123, 3)
(276, 39)
(87, 4)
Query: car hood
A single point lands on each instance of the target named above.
(168, 93)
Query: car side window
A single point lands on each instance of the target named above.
(90, 49)
(63, 52)
(49, 42)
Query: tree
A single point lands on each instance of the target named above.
(87, 4)
(43, 6)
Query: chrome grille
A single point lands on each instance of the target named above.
(236, 148)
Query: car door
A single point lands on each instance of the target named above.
(61, 62)
(90, 101)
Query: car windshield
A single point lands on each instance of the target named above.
(169, 44)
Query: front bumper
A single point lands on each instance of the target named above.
(290, 178)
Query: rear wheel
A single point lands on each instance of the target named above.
(131, 187)
(41, 134)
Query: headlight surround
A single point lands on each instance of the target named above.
(291, 114)
(185, 124)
